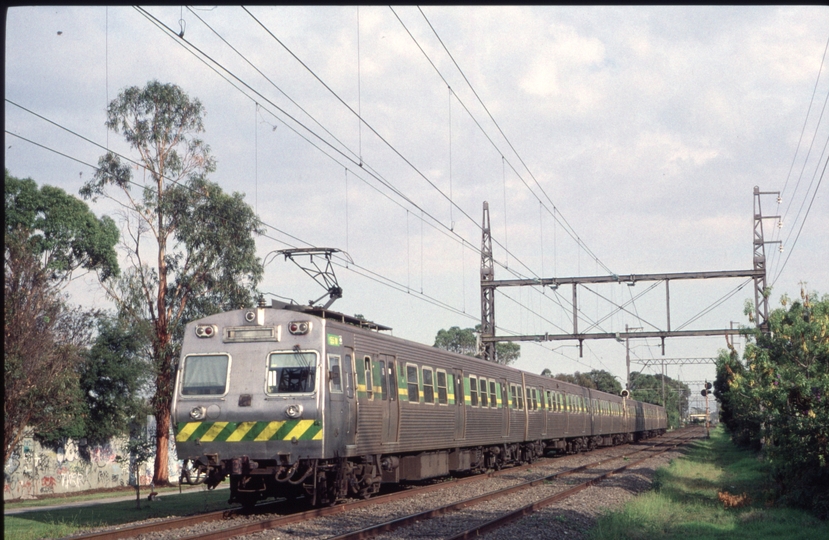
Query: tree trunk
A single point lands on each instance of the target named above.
(161, 475)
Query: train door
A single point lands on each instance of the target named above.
(349, 396)
(335, 426)
(591, 410)
(542, 403)
(391, 399)
(504, 409)
(460, 407)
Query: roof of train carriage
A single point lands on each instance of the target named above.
(328, 314)
(362, 323)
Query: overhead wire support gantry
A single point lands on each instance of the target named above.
(489, 284)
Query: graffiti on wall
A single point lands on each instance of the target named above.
(34, 470)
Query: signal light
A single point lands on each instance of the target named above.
(708, 386)
(704, 392)
(206, 330)
(299, 328)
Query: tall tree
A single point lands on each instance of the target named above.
(457, 340)
(43, 344)
(48, 236)
(201, 239)
(465, 341)
(113, 379)
(60, 230)
(648, 388)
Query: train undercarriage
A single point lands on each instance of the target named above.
(324, 482)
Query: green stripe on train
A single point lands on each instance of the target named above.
(302, 430)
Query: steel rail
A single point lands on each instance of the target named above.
(534, 507)
(187, 521)
(388, 526)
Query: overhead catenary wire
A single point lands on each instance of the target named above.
(450, 207)
(438, 222)
(354, 160)
(575, 236)
(354, 268)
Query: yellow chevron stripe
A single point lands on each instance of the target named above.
(300, 428)
(188, 430)
(269, 431)
(214, 430)
(240, 431)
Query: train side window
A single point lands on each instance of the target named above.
(514, 393)
(473, 391)
(412, 384)
(520, 398)
(484, 395)
(442, 398)
(541, 399)
(560, 402)
(335, 383)
(493, 399)
(369, 378)
(549, 401)
(428, 385)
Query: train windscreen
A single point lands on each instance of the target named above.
(205, 374)
(291, 372)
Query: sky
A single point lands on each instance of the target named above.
(606, 140)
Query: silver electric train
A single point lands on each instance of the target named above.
(290, 401)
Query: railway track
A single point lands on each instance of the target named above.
(251, 523)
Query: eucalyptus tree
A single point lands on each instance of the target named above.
(189, 245)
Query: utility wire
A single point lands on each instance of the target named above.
(509, 143)
(823, 172)
(173, 35)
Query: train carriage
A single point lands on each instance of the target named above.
(290, 400)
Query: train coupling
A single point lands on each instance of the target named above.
(242, 465)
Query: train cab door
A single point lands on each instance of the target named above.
(504, 409)
(336, 409)
(460, 406)
(391, 399)
(348, 396)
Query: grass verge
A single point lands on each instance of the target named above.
(684, 502)
(57, 523)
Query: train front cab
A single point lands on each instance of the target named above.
(249, 400)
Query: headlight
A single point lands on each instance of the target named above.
(293, 410)
(197, 413)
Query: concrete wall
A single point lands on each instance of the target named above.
(34, 470)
